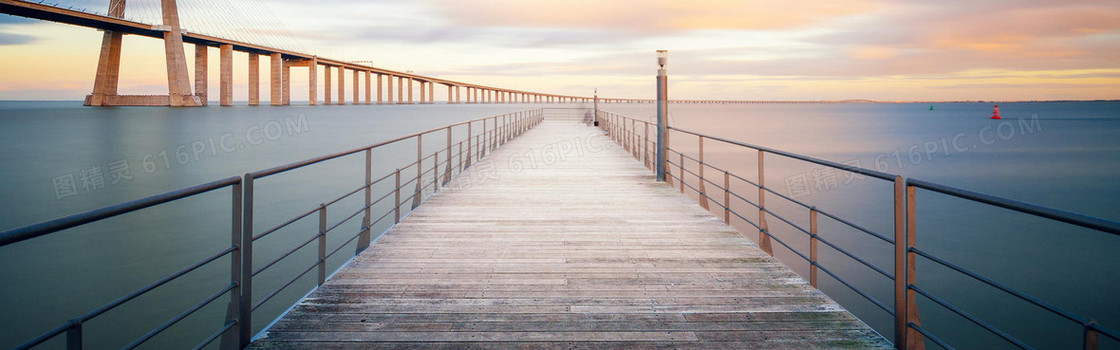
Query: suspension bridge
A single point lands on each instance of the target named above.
(250, 28)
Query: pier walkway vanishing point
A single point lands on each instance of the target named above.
(565, 241)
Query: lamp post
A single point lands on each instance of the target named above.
(595, 118)
(662, 114)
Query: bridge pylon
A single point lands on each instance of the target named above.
(108, 66)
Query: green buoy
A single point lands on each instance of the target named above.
(931, 107)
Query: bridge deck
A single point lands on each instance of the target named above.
(586, 252)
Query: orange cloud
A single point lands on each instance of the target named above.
(649, 15)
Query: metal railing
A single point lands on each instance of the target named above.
(236, 332)
(633, 136)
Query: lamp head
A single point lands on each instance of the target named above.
(662, 58)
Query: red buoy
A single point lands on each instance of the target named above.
(995, 113)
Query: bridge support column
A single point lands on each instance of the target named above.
(400, 90)
(109, 64)
(369, 88)
(431, 92)
(409, 90)
(389, 89)
(379, 85)
(225, 84)
(313, 81)
(276, 91)
(342, 85)
(286, 80)
(326, 85)
(254, 79)
(178, 82)
(201, 76)
(423, 92)
(357, 87)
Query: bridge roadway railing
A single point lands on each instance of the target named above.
(434, 168)
(687, 171)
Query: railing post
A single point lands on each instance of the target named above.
(645, 145)
(726, 197)
(470, 140)
(703, 192)
(447, 172)
(245, 314)
(74, 335)
(322, 244)
(616, 130)
(364, 234)
(680, 167)
(623, 138)
(1092, 341)
(435, 172)
(231, 339)
(631, 137)
(419, 171)
(499, 127)
(610, 126)
(900, 263)
(493, 141)
(813, 247)
(482, 140)
(397, 195)
(764, 230)
(914, 340)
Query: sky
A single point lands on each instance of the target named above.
(718, 49)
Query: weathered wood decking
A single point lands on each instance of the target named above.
(586, 252)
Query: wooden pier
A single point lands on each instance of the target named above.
(560, 239)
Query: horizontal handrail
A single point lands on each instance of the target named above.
(828, 163)
(31, 231)
(288, 167)
(1068, 217)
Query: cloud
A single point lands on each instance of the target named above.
(911, 38)
(648, 16)
(6, 19)
(15, 39)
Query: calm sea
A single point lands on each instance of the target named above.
(60, 158)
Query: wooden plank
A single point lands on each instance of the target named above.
(580, 250)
